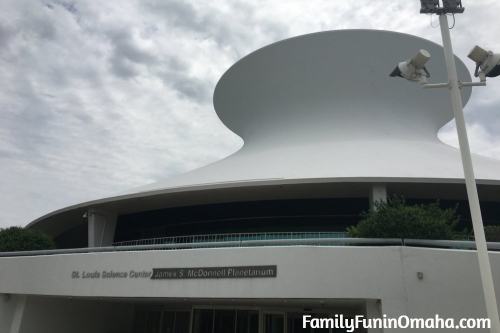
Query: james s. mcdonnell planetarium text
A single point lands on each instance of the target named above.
(215, 272)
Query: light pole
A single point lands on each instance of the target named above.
(470, 181)
(488, 65)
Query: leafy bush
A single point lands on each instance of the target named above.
(395, 219)
(492, 233)
(20, 239)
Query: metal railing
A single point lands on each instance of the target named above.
(318, 241)
(239, 237)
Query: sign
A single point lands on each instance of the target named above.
(183, 273)
(215, 272)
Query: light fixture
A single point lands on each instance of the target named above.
(453, 7)
(429, 6)
(420, 275)
(486, 62)
(449, 7)
(411, 69)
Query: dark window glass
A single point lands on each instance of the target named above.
(168, 322)
(274, 323)
(203, 321)
(153, 233)
(182, 322)
(225, 321)
(247, 321)
(154, 318)
(141, 318)
(254, 322)
(294, 325)
(299, 215)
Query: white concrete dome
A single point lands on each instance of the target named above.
(320, 109)
(323, 106)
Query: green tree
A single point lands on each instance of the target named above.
(492, 233)
(395, 219)
(20, 239)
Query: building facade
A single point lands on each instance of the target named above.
(253, 242)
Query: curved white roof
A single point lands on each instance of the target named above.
(323, 106)
(315, 110)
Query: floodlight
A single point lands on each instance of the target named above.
(453, 6)
(411, 70)
(449, 7)
(486, 61)
(429, 6)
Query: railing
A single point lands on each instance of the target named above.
(257, 239)
(240, 237)
(267, 240)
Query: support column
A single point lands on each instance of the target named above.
(374, 310)
(102, 227)
(377, 193)
(18, 313)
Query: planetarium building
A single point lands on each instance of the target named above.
(253, 242)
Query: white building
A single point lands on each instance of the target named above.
(326, 133)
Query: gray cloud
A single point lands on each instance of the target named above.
(98, 97)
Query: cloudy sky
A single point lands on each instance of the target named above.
(100, 96)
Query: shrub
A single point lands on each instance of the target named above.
(20, 239)
(395, 219)
(492, 233)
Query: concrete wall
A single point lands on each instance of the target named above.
(450, 286)
(50, 315)
(345, 272)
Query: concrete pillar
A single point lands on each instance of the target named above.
(17, 319)
(102, 227)
(377, 193)
(374, 310)
(7, 310)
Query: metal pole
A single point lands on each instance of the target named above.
(470, 181)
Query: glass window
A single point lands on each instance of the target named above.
(295, 324)
(182, 322)
(225, 321)
(247, 321)
(203, 321)
(168, 322)
(274, 323)
(154, 318)
(153, 232)
(141, 318)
